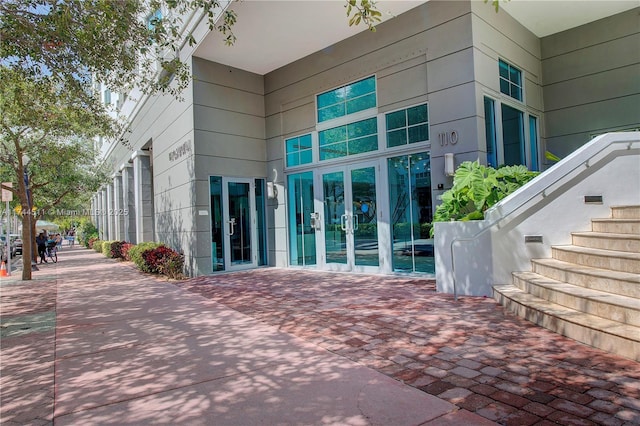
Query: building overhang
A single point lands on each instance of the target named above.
(274, 33)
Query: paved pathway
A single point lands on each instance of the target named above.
(93, 341)
(471, 353)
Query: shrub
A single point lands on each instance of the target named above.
(125, 251)
(172, 266)
(476, 188)
(97, 246)
(154, 258)
(106, 248)
(85, 231)
(116, 249)
(91, 241)
(135, 253)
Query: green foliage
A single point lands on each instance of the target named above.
(106, 248)
(85, 230)
(476, 188)
(97, 246)
(172, 266)
(135, 253)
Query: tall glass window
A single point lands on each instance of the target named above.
(261, 204)
(411, 213)
(299, 150)
(350, 139)
(217, 252)
(407, 126)
(490, 131)
(302, 236)
(512, 135)
(533, 143)
(347, 99)
(510, 80)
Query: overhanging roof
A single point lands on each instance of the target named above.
(273, 33)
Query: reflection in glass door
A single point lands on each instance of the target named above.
(350, 219)
(411, 213)
(302, 220)
(238, 232)
(240, 224)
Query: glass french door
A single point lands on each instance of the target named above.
(239, 223)
(350, 218)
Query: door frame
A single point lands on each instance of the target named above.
(253, 238)
(381, 205)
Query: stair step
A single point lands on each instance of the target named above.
(622, 283)
(618, 226)
(598, 258)
(607, 241)
(602, 304)
(625, 212)
(601, 333)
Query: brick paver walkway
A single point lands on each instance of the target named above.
(471, 352)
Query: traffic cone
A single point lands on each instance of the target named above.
(3, 270)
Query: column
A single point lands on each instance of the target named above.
(109, 212)
(104, 235)
(118, 209)
(143, 194)
(128, 203)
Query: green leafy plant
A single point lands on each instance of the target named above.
(135, 254)
(85, 232)
(476, 188)
(97, 246)
(106, 248)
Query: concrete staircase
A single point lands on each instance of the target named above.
(588, 291)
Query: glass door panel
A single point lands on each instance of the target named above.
(411, 213)
(239, 223)
(350, 219)
(302, 232)
(335, 218)
(364, 216)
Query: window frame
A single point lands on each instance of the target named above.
(385, 145)
(510, 66)
(347, 118)
(314, 145)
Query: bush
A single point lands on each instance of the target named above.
(172, 266)
(154, 258)
(116, 249)
(106, 248)
(97, 246)
(91, 241)
(135, 253)
(85, 231)
(125, 251)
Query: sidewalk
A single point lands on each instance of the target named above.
(133, 349)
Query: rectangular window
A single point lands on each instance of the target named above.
(533, 142)
(512, 136)
(407, 126)
(490, 131)
(347, 99)
(350, 139)
(107, 97)
(510, 80)
(299, 150)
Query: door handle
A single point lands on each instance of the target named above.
(355, 221)
(343, 222)
(232, 226)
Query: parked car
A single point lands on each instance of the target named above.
(17, 246)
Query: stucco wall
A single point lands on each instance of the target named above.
(591, 77)
(229, 135)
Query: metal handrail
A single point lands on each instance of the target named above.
(540, 192)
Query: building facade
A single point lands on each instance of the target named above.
(336, 160)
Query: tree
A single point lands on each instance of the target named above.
(52, 128)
